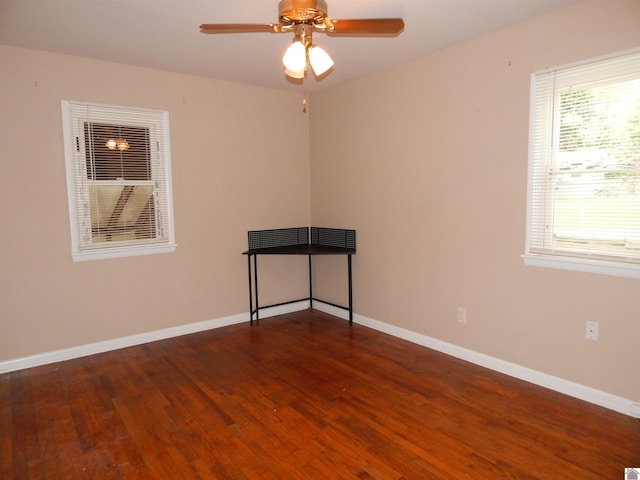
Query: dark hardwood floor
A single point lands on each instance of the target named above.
(300, 396)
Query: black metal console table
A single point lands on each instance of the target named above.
(296, 241)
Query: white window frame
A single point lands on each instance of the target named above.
(542, 137)
(83, 248)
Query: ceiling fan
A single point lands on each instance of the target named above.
(303, 17)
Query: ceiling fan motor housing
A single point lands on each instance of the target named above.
(313, 12)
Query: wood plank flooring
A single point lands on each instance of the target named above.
(300, 396)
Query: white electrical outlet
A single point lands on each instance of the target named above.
(462, 315)
(592, 331)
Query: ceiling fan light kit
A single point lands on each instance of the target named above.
(302, 17)
(295, 58)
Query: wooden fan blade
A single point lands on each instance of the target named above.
(372, 26)
(239, 28)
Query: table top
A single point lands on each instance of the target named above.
(303, 249)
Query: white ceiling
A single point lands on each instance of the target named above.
(164, 34)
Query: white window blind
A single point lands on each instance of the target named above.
(118, 179)
(584, 166)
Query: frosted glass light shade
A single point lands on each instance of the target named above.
(294, 74)
(320, 60)
(294, 60)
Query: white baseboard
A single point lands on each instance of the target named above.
(582, 392)
(588, 394)
(283, 309)
(123, 342)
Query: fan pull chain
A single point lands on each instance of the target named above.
(304, 103)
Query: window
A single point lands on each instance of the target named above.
(584, 167)
(118, 181)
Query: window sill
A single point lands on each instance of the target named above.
(602, 267)
(121, 252)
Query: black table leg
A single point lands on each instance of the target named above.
(350, 292)
(310, 285)
(255, 277)
(250, 291)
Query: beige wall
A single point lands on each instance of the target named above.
(229, 176)
(428, 161)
